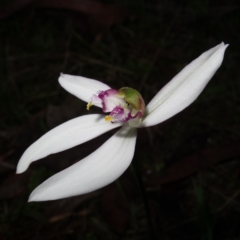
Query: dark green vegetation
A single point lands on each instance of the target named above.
(189, 164)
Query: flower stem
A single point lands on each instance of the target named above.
(138, 177)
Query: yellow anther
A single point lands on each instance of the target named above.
(120, 94)
(108, 118)
(89, 105)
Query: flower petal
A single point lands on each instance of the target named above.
(185, 87)
(65, 136)
(95, 171)
(81, 87)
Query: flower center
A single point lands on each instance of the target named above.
(123, 105)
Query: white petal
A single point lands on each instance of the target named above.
(185, 87)
(65, 136)
(95, 171)
(81, 87)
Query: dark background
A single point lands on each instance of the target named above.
(189, 164)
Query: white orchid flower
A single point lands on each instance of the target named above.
(126, 108)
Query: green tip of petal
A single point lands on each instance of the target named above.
(133, 97)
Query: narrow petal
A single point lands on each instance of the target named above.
(65, 136)
(95, 171)
(185, 87)
(82, 87)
